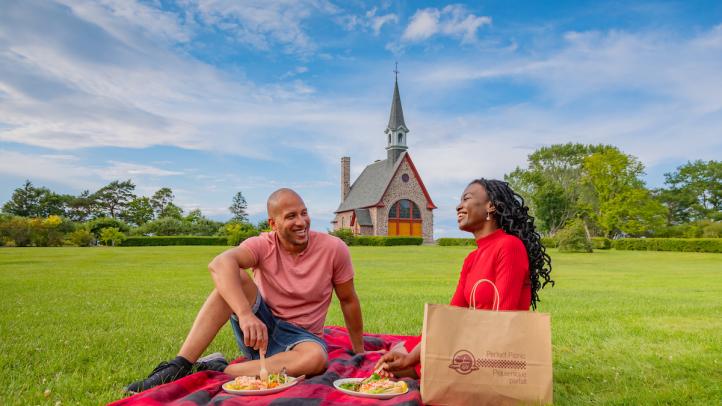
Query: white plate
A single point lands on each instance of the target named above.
(337, 384)
(250, 392)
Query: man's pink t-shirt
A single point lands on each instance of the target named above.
(298, 289)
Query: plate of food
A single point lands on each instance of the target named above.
(252, 385)
(374, 387)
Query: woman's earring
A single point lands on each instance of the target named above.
(488, 216)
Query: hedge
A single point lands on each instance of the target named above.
(670, 244)
(549, 242)
(601, 243)
(445, 242)
(173, 240)
(386, 241)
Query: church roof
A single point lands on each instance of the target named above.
(396, 118)
(369, 188)
(363, 217)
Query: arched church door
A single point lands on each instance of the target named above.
(404, 219)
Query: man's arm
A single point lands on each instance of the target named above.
(230, 277)
(351, 309)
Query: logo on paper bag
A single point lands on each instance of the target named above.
(502, 364)
(463, 362)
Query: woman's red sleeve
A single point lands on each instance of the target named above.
(512, 273)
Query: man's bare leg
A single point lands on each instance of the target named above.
(214, 313)
(306, 358)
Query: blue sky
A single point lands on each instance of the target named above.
(212, 97)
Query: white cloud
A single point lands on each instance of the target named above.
(369, 21)
(423, 25)
(376, 22)
(87, 83)
(453, 20)
(129, 170)
(264, 23)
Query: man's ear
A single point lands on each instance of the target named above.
(272, 224)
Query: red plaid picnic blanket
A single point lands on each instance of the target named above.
(204, 388)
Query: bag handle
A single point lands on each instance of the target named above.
(494, 304)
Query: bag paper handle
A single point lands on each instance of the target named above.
(494, 305)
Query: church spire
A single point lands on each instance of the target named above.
(396, 130)
(396, 119)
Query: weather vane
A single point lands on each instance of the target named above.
(396, 70)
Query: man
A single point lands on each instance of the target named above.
(281, 310)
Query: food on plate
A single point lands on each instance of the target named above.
(253, 383)
(375, 384)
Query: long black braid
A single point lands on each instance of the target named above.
(513, 217)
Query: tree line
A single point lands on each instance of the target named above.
(39, 216)
(600, 188)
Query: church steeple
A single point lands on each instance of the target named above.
(396, 130)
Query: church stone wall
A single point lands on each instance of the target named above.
(344, 217)
(411, 190)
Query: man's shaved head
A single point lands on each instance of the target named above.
(273, 204)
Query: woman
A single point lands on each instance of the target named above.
(509, 253)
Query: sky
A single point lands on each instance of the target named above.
(213, 97)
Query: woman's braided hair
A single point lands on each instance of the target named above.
(513, 217)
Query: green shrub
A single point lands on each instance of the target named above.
(81, 238)
(240, 236)
(601, 243)
(573, 238)
(386, 241)
(345, 234)
(670, 244)
(712, 230)
(550, 242)
(164, 226)
(96, 225)
(446, 242)
(15, 231)
(111, 236)
(173, 240)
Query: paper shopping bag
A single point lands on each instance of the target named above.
(483, 357)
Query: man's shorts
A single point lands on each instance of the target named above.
(282, 335)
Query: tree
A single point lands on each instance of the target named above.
(171, 211)
(160, 200)
(618, 202)
(695, 192)
(24, 201)
(551, 185)
(139, 211)
(113, 199)
(81, 207)
(238, 208)
(31, 201)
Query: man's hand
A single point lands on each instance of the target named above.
(255, 333)
(392, 361)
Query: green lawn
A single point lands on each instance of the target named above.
(629, 327)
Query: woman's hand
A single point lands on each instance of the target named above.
(391, 362)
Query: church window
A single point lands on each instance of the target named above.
(400, 137)
(405, 177)
(389, 139)
(405, 209)
(405, 219)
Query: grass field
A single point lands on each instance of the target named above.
(628, 327)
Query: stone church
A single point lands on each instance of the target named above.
(388, 198)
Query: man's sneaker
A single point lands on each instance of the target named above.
(212, 362)
(165, 372)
